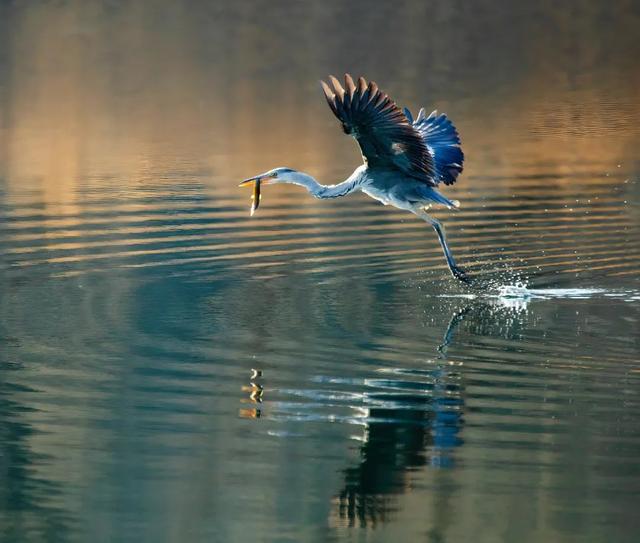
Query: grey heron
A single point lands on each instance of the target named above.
(405, 159)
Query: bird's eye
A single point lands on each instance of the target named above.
(274, 174)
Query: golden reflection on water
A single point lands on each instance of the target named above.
(114, 97)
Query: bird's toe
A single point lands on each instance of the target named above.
(461, 275)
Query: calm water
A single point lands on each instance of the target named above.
(172, 370)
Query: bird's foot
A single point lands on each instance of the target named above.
(460, 275)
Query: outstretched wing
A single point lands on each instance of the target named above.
(385, 135)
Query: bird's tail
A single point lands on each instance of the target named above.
(443, 142)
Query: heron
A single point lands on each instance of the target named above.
(405, 158)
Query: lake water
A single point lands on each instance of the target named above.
(174, 370)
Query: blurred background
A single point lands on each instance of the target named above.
(172, 370)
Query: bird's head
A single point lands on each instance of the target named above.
(277, 175)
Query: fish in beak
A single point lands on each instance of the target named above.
(255, 196)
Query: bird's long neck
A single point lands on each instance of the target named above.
(324, 191)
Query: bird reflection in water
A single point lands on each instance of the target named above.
(413, 419)
(418, 422)
(255, 391)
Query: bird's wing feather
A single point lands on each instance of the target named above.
(443, 142)
(385, 135)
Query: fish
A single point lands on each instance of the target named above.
(255, 197)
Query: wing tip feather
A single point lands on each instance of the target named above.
(349, 85)
(338, 90)
(330, 97)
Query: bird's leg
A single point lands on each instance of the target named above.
(456, 271)
(455, 321)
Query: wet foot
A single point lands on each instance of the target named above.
(461, 275)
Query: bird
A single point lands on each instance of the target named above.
(404, 158)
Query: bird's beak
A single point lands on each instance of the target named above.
(263, 179)
(248, 182)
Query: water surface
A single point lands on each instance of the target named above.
(172, 370)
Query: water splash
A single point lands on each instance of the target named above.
(517, 296)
